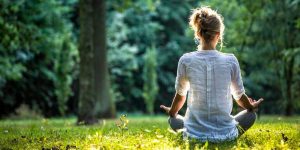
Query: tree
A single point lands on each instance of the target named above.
(94, 98)
(150, 79)
(268, 33)
(280, 49)
(38, 56)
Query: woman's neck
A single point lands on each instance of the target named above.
(208, 47)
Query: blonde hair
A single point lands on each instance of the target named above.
(206, 23)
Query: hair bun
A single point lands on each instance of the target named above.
(206, 23)
(203, 26)
(201, 18)
(203, 15)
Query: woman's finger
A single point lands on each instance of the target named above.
(258, 102)
(165, 108)
(250, 100)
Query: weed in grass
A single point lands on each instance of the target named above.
(123, 123)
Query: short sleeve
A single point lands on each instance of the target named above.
(237, 87)
(181, 84)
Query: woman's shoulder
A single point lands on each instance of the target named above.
(228, 56)
(189, 54)
(187, 57)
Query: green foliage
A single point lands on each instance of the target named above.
(247, 35)
(126, 50)
(37, 55)
(121, 56)
(271, 38)
(150, 88)
(144, 132)
(263, 35)
(157, 24)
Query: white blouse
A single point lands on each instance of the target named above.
(211, 77)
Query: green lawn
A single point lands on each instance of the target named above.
(144, 132)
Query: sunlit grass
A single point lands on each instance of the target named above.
(141, 132)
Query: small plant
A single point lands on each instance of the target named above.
(123, 123)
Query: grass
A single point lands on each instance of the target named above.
(141, 132)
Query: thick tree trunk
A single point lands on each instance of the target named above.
(94, 98)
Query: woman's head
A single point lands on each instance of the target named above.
(208, 25)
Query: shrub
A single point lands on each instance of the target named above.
(37, 55)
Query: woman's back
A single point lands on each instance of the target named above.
(211, 77)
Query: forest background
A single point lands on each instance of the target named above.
(39, 57)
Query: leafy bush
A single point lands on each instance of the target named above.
(37, 55)
(130, 35)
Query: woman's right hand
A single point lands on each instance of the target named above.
(255, 103)
(249, 103)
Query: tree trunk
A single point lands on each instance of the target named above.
(289, 79)
(94, 97)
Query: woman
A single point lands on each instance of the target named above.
(211, 77)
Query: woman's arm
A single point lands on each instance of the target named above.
(181, 87)
(248, 103)
(178, 102)
(237, 88)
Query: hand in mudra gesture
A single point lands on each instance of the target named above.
(254, 102)
(166, 109)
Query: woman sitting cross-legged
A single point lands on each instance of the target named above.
(210, 77)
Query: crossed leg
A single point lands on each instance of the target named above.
(176, 123)
(245, 119)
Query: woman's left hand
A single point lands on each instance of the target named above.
(166, 109)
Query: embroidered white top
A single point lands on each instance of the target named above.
(211, 77)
